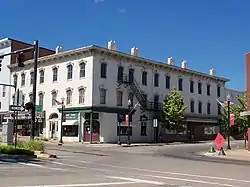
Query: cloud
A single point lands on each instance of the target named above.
(98, 1)
(122, 10)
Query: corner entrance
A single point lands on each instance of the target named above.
(95, 131)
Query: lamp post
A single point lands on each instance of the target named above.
(129, 107)
(228, 128)
(62, 119)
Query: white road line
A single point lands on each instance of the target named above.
(82, 185)
(41, 166)
(70, 165)
(191, 180)
(137, 180)
(170, 173)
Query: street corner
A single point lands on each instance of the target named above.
(40, 154)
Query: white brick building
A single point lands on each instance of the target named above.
(97, 82)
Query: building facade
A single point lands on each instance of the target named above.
(96, 84)
(8, 45)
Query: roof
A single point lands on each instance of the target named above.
(6, 39)
(134, 58)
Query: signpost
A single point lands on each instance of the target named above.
(232, 119)
(17, 108)
(39, 108)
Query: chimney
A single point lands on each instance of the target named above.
(59, 49)
(111, 45)
(212, 72)
(184, 64)
(170, 61)
(134, 51)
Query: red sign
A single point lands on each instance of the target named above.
(231, 119)
(219, 141)
(126, 119)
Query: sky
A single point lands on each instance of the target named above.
(206, 33)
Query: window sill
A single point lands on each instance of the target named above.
(82, 78)
(69, 79)
(54, 82)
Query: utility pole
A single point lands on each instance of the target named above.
(20, 62)
(33, 118)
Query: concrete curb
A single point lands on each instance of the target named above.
(16, 157)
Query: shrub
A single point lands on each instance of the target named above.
(11, 150)
(32, 145)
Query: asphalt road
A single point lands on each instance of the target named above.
(79, 166)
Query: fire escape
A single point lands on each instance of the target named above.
(128, 80)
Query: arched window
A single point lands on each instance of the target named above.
(81, 95)
(69, 97)
(41, 76)
(15, 79)
(82, 69)
(70, 71)
(54, 96)
(55, 74)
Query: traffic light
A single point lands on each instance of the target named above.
(20, 58)
(29, 106)
(1, 59)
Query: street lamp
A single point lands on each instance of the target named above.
(128, 131)
(228, 116)
(62, 119)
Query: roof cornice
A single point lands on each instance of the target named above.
(119, 54)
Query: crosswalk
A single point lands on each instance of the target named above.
(111, 174)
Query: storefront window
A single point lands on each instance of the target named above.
(70, 130)
(124, 130)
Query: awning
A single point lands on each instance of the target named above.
(71, 122)
(202, 120)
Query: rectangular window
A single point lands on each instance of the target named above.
(200, 107)
(219, 109)
(69, 97)
(81, 95)
(31, 78)
(144, 78)
(103, 70)
(192, 106)
(180, 82)
(70, 71)
(199, 88)
(31, 98)
(218, 91)
(54, 96)
(70, 130)
(208, 108)
(119, 98)
(168, 82)
(82, 69)
(55, 73)
(41, 76)
(156, 79)
(143, 128)
(23, 80)
(208, 89)
(191, 86)
(131, 98)
(4, 91)
(102, 96)
(40, 99)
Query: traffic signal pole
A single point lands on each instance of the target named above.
(33, 118)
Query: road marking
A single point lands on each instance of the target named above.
(170, 173)
(137, 180)
(70, 165)
(40, 166)
(82, 185)
(191, 180)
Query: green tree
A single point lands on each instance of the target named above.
(173, 109)
(239, 121)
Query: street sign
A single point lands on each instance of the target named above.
(232, 119)
(219, 141)
(17, 108)
(155, 122)
(39, 108)
(126, 119)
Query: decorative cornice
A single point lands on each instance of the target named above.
(90, 50)
(54, 91)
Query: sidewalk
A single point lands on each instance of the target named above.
(234, 154)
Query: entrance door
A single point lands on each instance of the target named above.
(95, 131)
